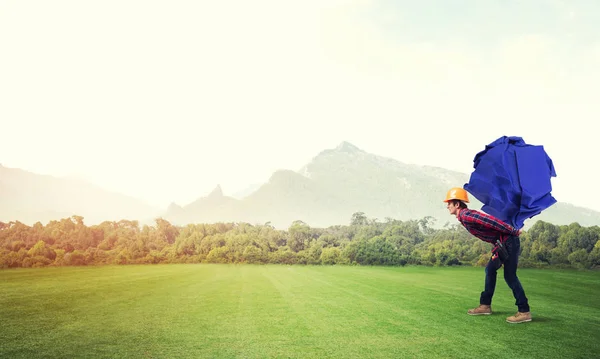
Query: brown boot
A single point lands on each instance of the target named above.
(481, 310)
(519, 318)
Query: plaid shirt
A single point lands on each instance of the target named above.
(485, 227)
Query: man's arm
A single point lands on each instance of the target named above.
(490, 222)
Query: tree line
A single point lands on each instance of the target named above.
(364, 241)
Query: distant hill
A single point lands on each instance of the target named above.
(341, 181)
(327, 191)
(29, 198)
(248, 190)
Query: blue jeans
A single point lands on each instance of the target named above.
(513, 247)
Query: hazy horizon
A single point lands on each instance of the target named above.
(164, 101)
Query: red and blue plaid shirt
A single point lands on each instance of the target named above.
(485, 227)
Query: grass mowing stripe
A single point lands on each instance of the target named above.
(245, 311)
(325, 309)
(422, 317)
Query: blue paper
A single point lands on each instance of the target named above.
(512, 180)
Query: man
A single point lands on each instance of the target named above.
(507, 248)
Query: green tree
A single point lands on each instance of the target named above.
(359, 219)
(299, 236)
(331, 255)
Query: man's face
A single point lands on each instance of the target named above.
(453, 208)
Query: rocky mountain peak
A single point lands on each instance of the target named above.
(217, 192)
(347, 147)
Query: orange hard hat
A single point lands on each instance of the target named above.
(458, 194)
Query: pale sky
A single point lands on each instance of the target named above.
(163, 100)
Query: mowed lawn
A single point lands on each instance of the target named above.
(271, 311)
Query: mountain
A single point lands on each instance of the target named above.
(341, 181)
(335, 184)
(29, 198)
(248, 190)
(212, 208)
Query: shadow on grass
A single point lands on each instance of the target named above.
(504, 312)
(508, 313)
(535, 319)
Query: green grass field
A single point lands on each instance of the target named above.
(246, 311)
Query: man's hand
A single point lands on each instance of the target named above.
(519, 232)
